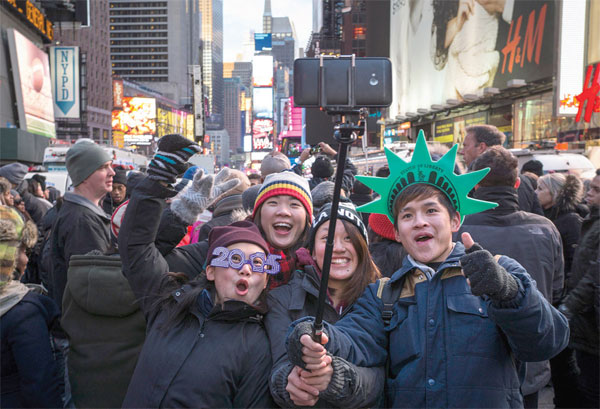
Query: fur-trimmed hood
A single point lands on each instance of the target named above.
(569, 196)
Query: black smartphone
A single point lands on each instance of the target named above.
(372, 84)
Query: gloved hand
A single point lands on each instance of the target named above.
(169, 161)
(485, 275)
(204, 191)
(294, 345)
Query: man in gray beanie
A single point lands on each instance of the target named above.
(14, 172)
(81, 225)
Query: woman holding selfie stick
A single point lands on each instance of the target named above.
(351, 271)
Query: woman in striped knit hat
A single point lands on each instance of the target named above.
(283, 213)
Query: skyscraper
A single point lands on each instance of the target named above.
(212, 58)
(153, 42)
(233, 116)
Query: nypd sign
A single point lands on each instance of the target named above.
(65, 81)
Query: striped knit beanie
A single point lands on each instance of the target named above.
(285, 183)
(13, 233)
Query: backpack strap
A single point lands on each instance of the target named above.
(388, 295)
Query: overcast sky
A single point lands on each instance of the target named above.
(241, 16)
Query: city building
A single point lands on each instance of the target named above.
(219, 141)
(234, 91)
(95, 71)
(212, 59)
(240, 69)
(27, 114)
(154, 43)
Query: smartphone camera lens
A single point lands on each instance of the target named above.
(373, 81)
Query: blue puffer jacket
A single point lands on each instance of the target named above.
(450, 348)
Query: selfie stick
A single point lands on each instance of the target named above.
(345, 134)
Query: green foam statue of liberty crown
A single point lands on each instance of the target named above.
(422, 169)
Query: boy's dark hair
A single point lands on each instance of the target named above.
(503, 167)
(322, 167)
(252, 176)
(421, 191)
(488, 134)
(534, 166)
(383, 172)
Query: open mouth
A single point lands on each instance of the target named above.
(282, 228)
(423, 238)
(241, 287)
(340, 260)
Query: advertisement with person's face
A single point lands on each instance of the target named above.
(31, 71)
(447, 49)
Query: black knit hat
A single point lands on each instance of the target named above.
(238, 232)
(322, 167)
(120, 176)
(534, 166)
(346, 212)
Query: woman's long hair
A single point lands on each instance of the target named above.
(443, 12)
(366, 272)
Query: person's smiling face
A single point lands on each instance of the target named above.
(283, 219)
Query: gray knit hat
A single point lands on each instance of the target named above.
(274, 162)
(14, 172)
(83, 159)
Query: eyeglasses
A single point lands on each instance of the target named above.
(236, 259)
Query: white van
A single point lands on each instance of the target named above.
(557, 161)
(59, 180)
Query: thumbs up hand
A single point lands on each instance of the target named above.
(484, 274)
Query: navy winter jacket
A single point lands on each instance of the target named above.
(449, 348)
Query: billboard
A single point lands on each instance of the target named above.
(572, 53)
(262, 41)
(118, 93)
(262, 134)
(262, 103)
(137, 120)
(33, 89)
(65, 81)
(262, 71)
(439, 53)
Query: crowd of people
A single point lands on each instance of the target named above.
(449, 286)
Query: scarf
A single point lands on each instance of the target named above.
(287, 265)
(11, 294)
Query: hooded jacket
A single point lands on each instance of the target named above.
(106, 331)
(297, 299)
(30, 377)
(583, 287)
(79, 228)
(534, 242)
(447, 347)
(564, 214)
(217, 357)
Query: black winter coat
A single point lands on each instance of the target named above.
(30, 377)
(80, 227)
(530, 239)
(568, 224)
(297, 299)
(583, 299)
(216, 357)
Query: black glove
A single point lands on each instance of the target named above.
(293, 344)
(487, 276)
(170, 159)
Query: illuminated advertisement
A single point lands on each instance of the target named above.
(262, 102)
(262, 134)
(118, 93)
(262, 71)
(33, 87)
(65, 81)
(440, 52)
(137, 120)
(262, 41)
(572, 53)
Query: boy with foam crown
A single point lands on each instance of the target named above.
(462, 320)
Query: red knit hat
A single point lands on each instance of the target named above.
(381, 225)
(238, 232)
